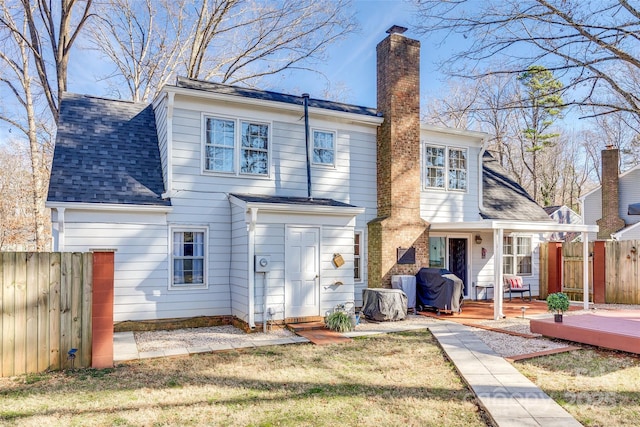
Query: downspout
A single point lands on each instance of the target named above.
(305, 96)
(169, 187)
(60, 224)
(253, 212)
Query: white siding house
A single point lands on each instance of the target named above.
(221, 201)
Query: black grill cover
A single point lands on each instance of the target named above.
(439, 288)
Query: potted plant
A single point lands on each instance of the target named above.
(558, 303)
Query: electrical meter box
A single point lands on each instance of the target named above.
(262, 263)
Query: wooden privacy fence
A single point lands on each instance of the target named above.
(46, 301)
(614, 271)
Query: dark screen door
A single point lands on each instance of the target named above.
(458, 260)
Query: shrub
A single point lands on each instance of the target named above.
(339, 321)
(558, 302)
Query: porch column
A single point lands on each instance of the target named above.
(585, 270)
(498, 296)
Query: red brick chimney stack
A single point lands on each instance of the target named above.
(610, 221)
(399, 225)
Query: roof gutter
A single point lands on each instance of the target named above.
(281, 106)
(81, 206)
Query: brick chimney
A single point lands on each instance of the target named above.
(398, 226)
(610, 221)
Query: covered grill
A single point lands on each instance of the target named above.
(439, 289)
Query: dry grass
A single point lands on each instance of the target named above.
(391, 380)
(599, 388)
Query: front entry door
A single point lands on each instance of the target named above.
(302, 290)
(458, 260)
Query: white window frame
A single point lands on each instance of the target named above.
(515, 256)
(358, 257)
(207, 144)
(451, 168)
(237, 146)
(205, 275)
(446, 168)
(313, 147)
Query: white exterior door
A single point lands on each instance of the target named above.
(302, 290)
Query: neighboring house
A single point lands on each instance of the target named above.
(562, 215)
(615, 205)
(222, 201)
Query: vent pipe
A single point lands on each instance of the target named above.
(305, 97)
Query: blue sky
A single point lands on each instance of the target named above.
(351, 66)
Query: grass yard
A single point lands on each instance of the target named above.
(387, 380)
(597, 387)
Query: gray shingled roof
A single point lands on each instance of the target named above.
(504, 198)
(272, 96)
(255, 198)
(106, 152)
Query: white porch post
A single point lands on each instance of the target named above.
(497, 274)
(585, 270)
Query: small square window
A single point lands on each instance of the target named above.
(324, 148)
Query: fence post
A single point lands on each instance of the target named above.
(102, 310)
(554, 281)
(599, 273)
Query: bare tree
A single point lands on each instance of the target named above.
(145, 40)
(38, 36)
(592, 45)
(228, 41)
(16, 202)
(48, 32)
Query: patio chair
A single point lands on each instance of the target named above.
(513, 284)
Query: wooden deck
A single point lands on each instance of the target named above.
(612, 329)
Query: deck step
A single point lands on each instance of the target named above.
(306, 326)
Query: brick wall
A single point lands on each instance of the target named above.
(399, 224)
(610, 221)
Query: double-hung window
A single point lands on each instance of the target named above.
(220, 145)
(516, 255)
(357, 256)
(324, 148)
(228, 150)
(255, 149)
(445, 168)
(188, 258)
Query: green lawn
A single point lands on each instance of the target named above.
(597, 387)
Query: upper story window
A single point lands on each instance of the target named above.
(516, 255)
(228, 152)
(324, 148)
(219, 145)
(255, 148)
(445, 167)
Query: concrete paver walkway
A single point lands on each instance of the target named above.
(507, 396)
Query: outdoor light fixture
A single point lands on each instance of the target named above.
(478, 239)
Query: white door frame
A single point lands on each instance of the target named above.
(313, 277)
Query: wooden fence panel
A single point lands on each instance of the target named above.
(46, 310)
(572, 282)
(544, 271)
(622, 272)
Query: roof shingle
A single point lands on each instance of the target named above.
(106, 152)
